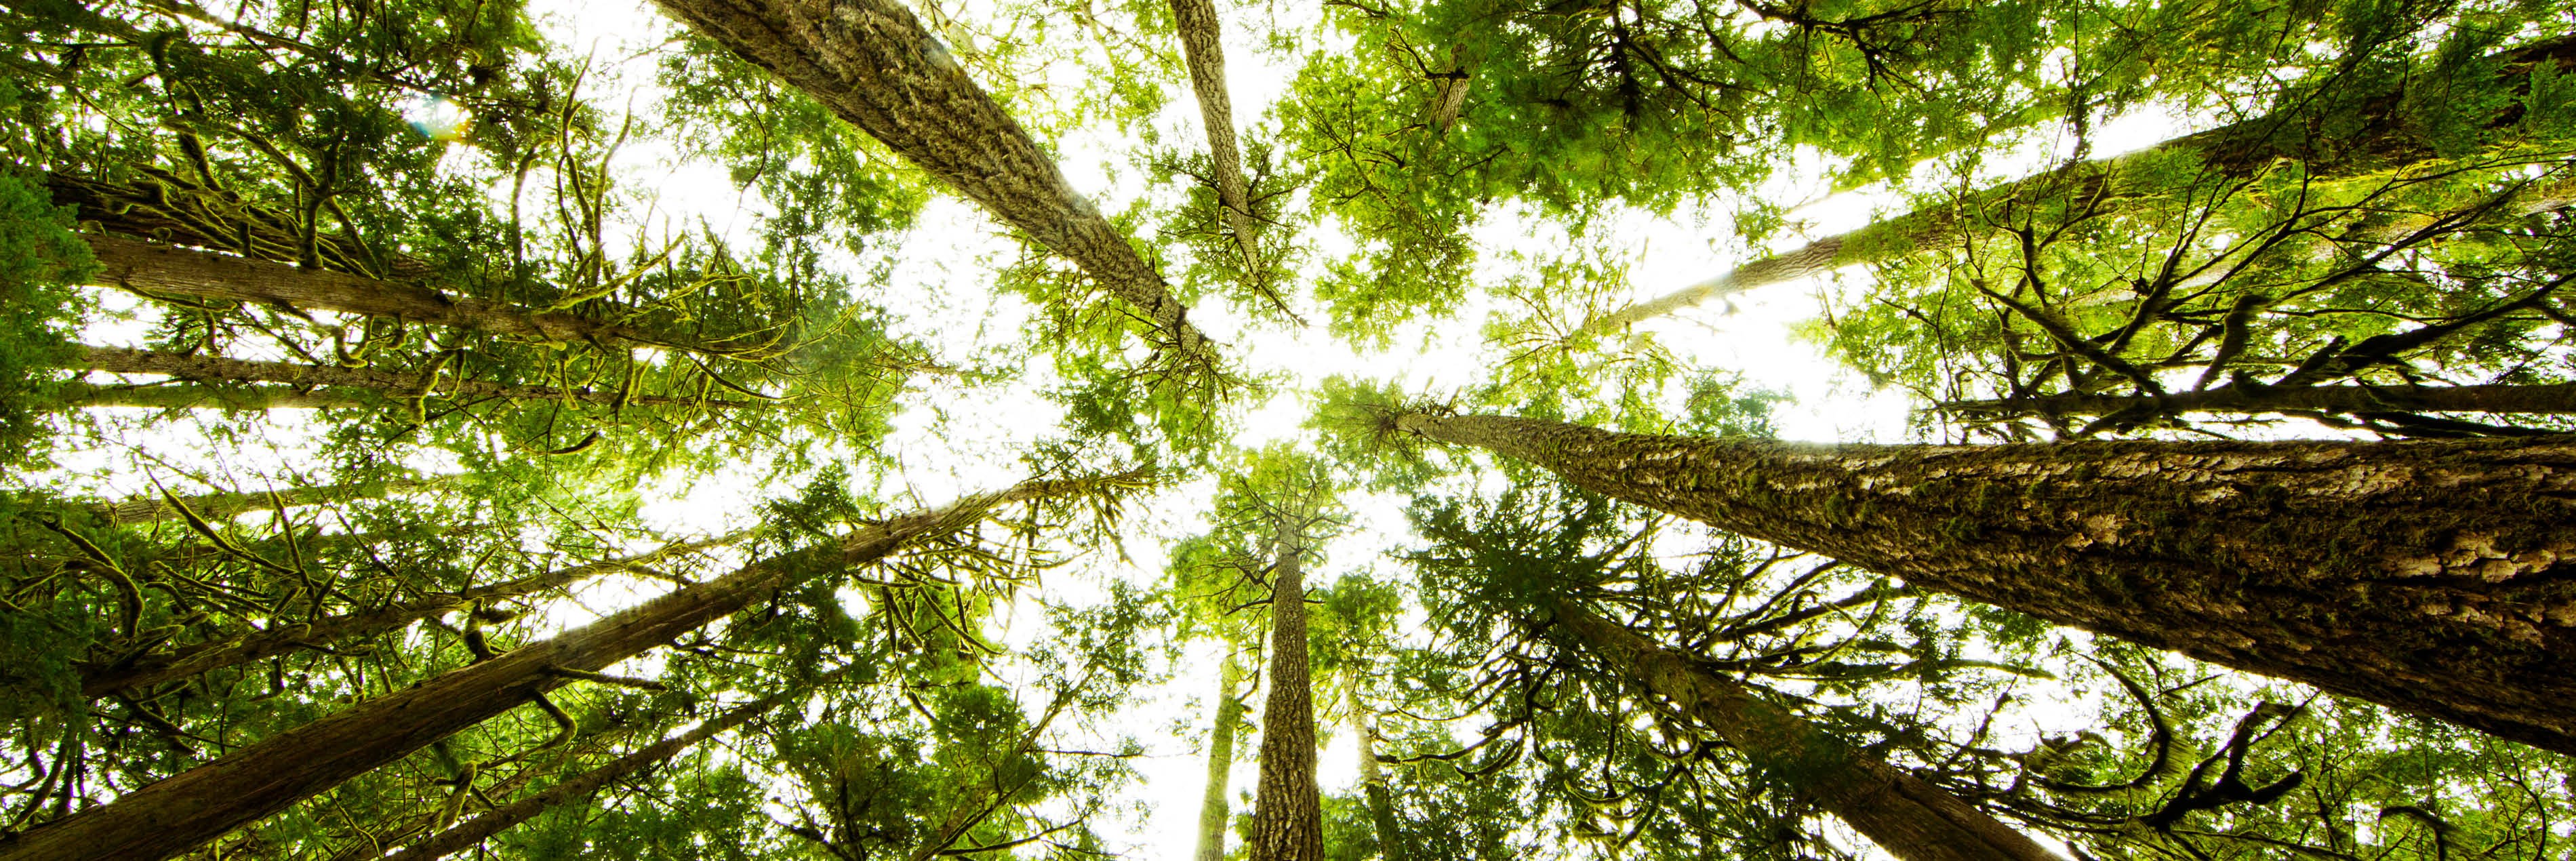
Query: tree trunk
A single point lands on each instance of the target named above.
(1381, 807)
(1214, 807)
(1203, 49)
(870, 62)
(195, 397)
(101, 679)
(387, 384)
(2383, 142)
(1904, 815)
(1288, 812)
(226, 505)
(2433, 577)
(173, 815)
(2552, 399)
(153, 269)
(501, 818)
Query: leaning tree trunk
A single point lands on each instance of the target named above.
(342, 382)
(2434, 577)
(501, 818)
(173, 815)
(870, 62)
(1214, 811)
(2557, 399)
(1202, 46)
(1288, 811)
(2382, 142)
(225, 505)
(104, 678)
(1904, 815)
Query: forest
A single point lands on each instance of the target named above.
(1367, 430)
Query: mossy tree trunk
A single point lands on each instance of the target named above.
(2434, 577)
(1381, 803)
(1203, 49)
(870, 62)
(174, 815)
(1214, 808)
(2382, 142)
(339, 385)
(1904, 815)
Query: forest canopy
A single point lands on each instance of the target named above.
(1411, 431)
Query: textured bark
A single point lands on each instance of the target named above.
(194, 397)
(870, 62)
(1904, 815)
(170, 270)
(101, 679)
(1381, 807)
(386, 384)
(173, 815)
(1203, 49)
(221, 506)
(1288, 812)
(2556, 399)
(501, 818)
(2382, 143)
(1214, 809)
(2433, 577)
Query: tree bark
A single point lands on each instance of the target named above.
(2553, 399)
(2433, 577)
(195, 397)
(1381, 806)
(226, 505)
(101, 679)
(870, 62)
(1203, 49)
(501, 818)
(1904, 815)
(388, 384)
(2382, 143)
(166, 270)
(1214, 806)
(173, 815)
(1288, 812)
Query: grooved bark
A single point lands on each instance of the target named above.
(194, 397)
(2557, 398)
(173, 815)
(101, 679)
(501, 818)
(169, 270)
(1288, 812)
(2433, 577)
(1904, 815)
(870, 62)
(2382, 143)
(1203, 49)
(384, 383)
(1213, 806)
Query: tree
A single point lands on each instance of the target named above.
(2206, 548)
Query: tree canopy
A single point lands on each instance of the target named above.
(1412, 430)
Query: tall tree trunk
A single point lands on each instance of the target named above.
(154, 269)
(1904, 815)
(1381, 806)
(225, 505)
(1214, 807)
(872, 63)
(501, 818)
(175, 814)
(2433, 577)
(1202, 47)
(387, 384)
(197, 397)
(2383, 142)
(1288, 812)
(2558, 399)
(101, 679)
